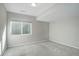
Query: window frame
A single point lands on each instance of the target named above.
(22, 22)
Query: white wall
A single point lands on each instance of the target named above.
(39, 30)
(3, 18)
(64, 28)
(64, 23)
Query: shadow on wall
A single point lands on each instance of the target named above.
(3, 42)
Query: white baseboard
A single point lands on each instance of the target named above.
(66, 44)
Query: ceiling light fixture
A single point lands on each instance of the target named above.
(34, 4)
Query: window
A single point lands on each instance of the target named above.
(26, 28)
(18, 28)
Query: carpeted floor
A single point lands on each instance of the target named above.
(42, 49)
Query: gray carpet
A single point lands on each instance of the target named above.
(42, 49)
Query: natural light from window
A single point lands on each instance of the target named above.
(20, 28)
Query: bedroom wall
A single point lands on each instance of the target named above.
(39, 30)
(64, 28)
(64, 23)
(3, 18)
(65, 32)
